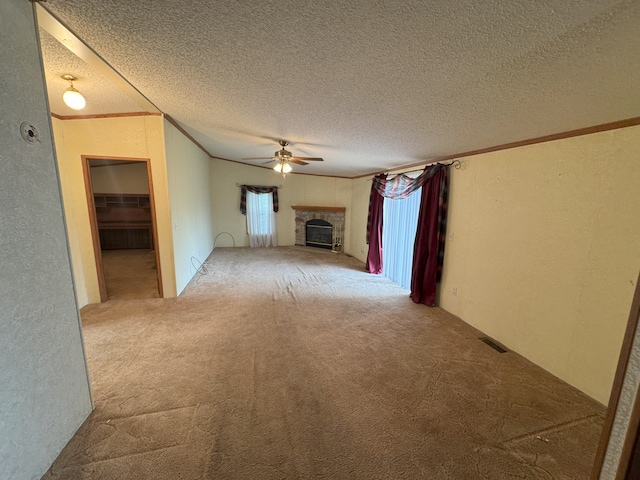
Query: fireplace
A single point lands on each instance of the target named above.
(319, 234)
(331, 217)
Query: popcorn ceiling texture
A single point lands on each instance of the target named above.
(370, 85)
(101, 95)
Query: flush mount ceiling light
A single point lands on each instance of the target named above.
(72, 97)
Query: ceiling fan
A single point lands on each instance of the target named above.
(283, 157)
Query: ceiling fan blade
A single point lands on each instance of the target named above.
(298, 161)
(310, 159)
(272, 160)
(257, 158)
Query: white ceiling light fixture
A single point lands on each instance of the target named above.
(72, 97)
(284, 158)
(283, 167)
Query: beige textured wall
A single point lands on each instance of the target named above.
(74, 230)
(124, 178)
(44, 385)
(188, 171)
(361, 190)
(138, 137)
(296, 190)
(544, 250)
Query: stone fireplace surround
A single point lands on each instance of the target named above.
(334, 215)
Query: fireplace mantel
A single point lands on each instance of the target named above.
(318, 209)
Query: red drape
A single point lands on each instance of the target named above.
(429, 243)
(402, 185)
(374, 232)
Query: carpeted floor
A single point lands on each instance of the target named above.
(293, 363)
(130, 273)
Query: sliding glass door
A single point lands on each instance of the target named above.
(400, 220)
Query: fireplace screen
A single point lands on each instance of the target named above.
(319, 234)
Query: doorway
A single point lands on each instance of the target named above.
(123, 227)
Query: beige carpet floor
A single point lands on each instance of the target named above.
(293, 363)
(130, 273)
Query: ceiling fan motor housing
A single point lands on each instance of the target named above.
(283, 153)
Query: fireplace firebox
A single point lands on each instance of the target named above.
(319, 234)
(333, 217)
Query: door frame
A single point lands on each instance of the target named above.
(95, 235)
(632, 428)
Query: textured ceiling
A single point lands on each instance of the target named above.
(368, 85)
(102, 96)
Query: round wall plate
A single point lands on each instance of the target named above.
(29, 132)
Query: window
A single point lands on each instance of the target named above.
(261, 220)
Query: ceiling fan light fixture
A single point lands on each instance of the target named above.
(283, 159)
(72, 97)
(283, 167)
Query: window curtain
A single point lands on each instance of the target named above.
(400, 219)
(399, 186)
(256, 189)
(374, 230)
(402, 185)
(261, 219)
(428, 252)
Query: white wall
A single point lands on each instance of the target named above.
(120, 178)
(44, 387)
(188, 173)
(296, 189)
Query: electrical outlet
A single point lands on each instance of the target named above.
(454, 291)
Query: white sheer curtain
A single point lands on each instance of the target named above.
(400, 220)
(261, 220)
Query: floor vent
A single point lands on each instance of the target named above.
(493, 344)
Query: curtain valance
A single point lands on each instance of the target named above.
(257, 189)
(402, 185)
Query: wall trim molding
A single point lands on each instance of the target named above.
(603, 127)
(318, 209)
(169, 119)
(104, 115)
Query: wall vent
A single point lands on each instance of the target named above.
(493, 344)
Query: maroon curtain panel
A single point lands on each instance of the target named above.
(429, 244)
(402, 185)
(374, 232)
